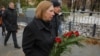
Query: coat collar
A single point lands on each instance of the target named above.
(40, 24)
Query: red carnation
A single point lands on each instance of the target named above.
(58, 40)
(76, 33)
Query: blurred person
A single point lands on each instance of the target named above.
(10, 20)
(3, 25)
(0, 17)
(58, 17)
(39, 35)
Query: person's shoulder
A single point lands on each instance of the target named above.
(6, 10)
(15, 9)
(32, 24)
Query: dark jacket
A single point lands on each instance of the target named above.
(0, 18)
(38, 38)
(57, 19)
(0, 13)
(10, 19)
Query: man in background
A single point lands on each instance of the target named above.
(58, 17)
(10, 20)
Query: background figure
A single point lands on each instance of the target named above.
(0, 18)
(39, 35)
(58, 17)
(3, 25)
(10, 20)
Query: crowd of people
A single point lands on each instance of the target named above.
(39, 34)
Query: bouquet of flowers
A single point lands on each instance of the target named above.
(61, 43)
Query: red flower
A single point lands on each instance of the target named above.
(58, 40)
(68, 34)
(76, 33)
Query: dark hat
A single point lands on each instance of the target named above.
(55, 3)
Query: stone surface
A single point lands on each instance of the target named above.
(9, 50)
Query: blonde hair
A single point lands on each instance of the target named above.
(41, 8)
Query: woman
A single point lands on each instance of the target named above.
(39, 35)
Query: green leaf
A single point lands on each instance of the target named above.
(79, 44)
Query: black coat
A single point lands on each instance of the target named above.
(0, 18)
(38, 38)
(57, 19)
(10, 19)
(0, 13)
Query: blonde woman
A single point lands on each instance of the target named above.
(39, 35)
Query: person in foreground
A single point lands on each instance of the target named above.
(39, 35)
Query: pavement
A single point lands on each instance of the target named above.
(9, 50)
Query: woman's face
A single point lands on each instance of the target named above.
(48, 15)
